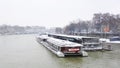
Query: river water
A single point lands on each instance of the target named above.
(22, 51)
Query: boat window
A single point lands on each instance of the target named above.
(63, 38)
(90, 40)
(44, 39)
(75, 40)
(115, 39)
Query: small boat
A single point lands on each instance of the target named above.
(115, 39)
(61, 48)
(111, 43)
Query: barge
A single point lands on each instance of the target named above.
(60, 47)
(89, 43)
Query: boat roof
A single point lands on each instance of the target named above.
(115, 37)
(72, 36)
(62, 43)
(43, 36)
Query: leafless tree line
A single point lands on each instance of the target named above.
(97, 24)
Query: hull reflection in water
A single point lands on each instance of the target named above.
(61, 48)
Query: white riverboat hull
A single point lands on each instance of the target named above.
(93, 49)
(59, 53)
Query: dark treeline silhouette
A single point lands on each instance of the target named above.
(81, 26)
(100, 23)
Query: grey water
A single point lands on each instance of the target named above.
(23, 51)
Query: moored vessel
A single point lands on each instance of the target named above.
(89, 43)
(61, 48)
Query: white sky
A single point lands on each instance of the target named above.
(53, 13)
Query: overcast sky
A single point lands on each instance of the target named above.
(53, 13)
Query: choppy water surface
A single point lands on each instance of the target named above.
(22, 51)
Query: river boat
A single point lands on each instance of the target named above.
(115, 39)
(61, 48)
(89, 43)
